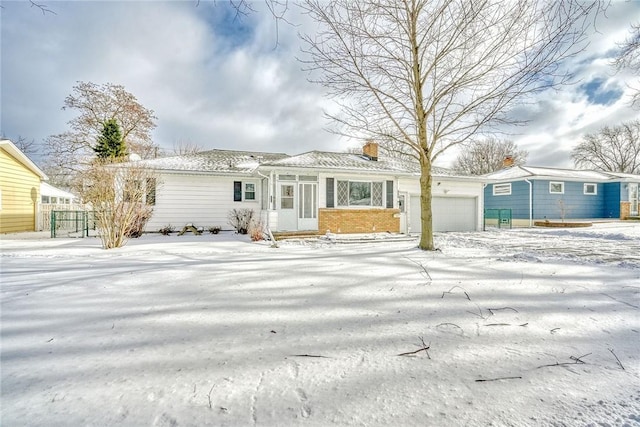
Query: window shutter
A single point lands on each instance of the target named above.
(389, 194)
(237, 191)
(330, 193)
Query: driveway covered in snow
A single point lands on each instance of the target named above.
(506, 327)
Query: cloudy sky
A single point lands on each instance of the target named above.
(220, 82)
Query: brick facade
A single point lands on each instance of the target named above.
(358, 220)
(625, 210)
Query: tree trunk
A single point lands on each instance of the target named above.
(426, 213)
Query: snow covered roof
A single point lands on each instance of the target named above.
(50, 190)
(625, 176)
(216, 161)
(246, 162)
(344, 161)
(523, 172)
(353, 163)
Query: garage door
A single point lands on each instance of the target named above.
(449, 214)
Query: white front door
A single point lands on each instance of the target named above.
(286, 206)
(633, 199)
(307, 206)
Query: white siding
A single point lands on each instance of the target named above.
(202, 200)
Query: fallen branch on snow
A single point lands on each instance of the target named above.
(499, 379)
(309, 355)
(576, 361)
(491, 310)
(617, 360)
(425, 272)
(425, 348)
(456, 286)
(479, 313)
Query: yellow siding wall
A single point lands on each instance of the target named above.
(19, 195)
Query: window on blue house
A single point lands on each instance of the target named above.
(501, 189)
(556, 187)
(591, 189)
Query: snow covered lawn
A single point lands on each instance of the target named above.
(523, 327)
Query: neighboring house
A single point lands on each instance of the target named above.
(55, 196)
(535, 193)
(315, 191)
(54, 199)
(20, 180)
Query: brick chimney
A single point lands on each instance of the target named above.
(370, 150)
(508, 162)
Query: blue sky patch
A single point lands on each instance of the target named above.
(598, 93)
(232, 26)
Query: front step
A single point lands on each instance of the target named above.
(282, 235)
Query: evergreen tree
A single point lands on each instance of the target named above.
(110, 144)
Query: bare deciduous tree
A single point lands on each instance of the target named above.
(429, 74)
(182, 147)
(71, 151)
(629, 58)
(40, 6)
(121, 195)
(488, 155)
(28, 147)
(612, 149)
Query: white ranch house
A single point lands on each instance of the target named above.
(310, 192)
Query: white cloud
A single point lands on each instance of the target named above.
(221, 83)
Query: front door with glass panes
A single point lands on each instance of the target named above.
(297, 202)
(286, 200)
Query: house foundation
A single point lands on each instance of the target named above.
(359, 220)
(625, 210)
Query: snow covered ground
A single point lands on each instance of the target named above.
(523, 327)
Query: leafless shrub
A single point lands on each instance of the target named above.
(121, 196)
(256, 231)
(240, 219)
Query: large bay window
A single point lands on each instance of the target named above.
(360, 193)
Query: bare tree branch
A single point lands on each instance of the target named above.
(629, 58)
(612, 149)
(488, 155)
(72, 151)
(430, 74)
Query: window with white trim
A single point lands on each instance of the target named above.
(244, 191)
(590, 189)
(501, 189)
(556, 187)
(360, 193)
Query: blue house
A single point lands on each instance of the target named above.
(535, 193)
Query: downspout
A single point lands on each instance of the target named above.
(269, 205)
(530, 202)
(484, 186)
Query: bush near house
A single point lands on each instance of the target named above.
(240, 219)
